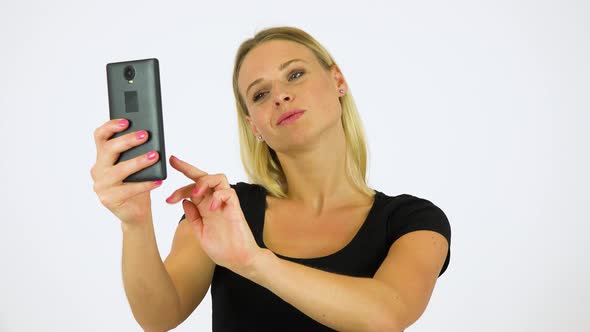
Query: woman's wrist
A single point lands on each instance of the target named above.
(137, 226)
(260, 266)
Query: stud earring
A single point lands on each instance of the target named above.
(259, 137)
(341, 91)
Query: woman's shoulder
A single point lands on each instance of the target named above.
(404, 203)
(408, 212)
(249, 194)
(244, 188)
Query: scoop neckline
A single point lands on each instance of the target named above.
(369, 216)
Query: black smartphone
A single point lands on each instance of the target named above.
(134, 94)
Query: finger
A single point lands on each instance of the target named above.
(197, 195)
(103, 133)
(211, 181)
(101, 136)
(187, 169)
(224, 196)
(113, 197)
(122, 170)
(191, 211)
(108, 129)
(109, 151)
(193, 216)
(178, 194)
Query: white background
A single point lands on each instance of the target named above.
(480, 107)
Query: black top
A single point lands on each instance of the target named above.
(242, 305)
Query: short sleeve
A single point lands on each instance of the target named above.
(415, 214)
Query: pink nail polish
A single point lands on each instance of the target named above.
(158, 182)
(123, 123)
(152, 155)
(196, 190)
(140, 134)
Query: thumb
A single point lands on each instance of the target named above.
(190, 210)
(198, 227)
(193, 216)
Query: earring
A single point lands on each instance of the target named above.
(259, 137)
(341, 91)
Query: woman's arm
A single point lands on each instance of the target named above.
(390, 301)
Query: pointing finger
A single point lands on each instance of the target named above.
(187, 169)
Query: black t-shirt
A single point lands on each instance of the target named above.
(242, 305)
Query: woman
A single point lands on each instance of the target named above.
(307, 247)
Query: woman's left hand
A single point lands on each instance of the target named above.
(213, 208)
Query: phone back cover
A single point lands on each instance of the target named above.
(140, 102)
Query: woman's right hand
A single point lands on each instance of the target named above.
(130, 202)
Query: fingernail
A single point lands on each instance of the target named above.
(158, 182)
(212, 207)
(196, 190)
(123, 123)
(140, 134)
(152, 155)
(169, 199)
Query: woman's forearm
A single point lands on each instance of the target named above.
(148, 286)
(341, 302)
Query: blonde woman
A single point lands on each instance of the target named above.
(307, 245)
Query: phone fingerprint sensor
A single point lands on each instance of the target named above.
(131, 101)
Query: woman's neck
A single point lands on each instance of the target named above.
(317, 177)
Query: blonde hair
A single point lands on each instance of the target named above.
(260, 161)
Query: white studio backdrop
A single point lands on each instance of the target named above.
(481, 107)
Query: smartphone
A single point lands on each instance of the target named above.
(134, 94)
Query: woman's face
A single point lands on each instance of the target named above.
(281, 77)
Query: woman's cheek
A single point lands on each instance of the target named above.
(260, 119)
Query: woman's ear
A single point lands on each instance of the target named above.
(339, 80)
(252, 126)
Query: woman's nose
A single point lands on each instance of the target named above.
(283, 97)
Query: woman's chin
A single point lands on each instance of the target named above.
(298, 144)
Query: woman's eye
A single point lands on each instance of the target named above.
(258, 95)
(296, 74)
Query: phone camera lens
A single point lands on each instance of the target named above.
(129, 73)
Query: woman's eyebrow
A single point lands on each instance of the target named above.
(281, 67)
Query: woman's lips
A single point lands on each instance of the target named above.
(290, 118)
